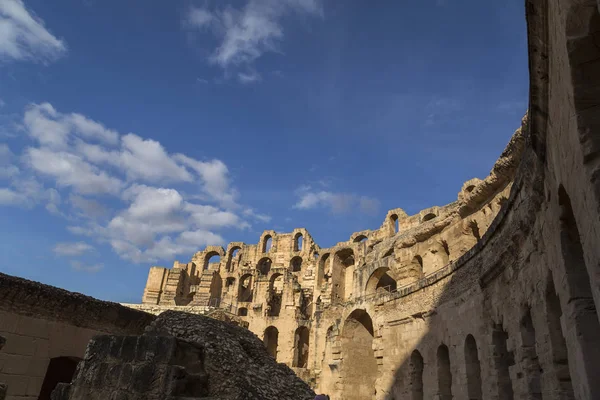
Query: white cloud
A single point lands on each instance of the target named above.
(72, 249)
(24, 36)
(246, 34)
(337, 203)
(79, 266)
(121, 190)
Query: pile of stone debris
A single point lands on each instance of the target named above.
(182, 356)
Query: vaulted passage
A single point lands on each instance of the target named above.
(416, 376)
(529, 359)
(301, 338)
(359, 366)
(444, 373)
(473, 369)
(502, 361)
(580, 309)
(60, 370)
(270, 340)
(560, 357)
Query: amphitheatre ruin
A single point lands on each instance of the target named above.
(493, 296)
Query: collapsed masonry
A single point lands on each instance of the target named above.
(182, 356)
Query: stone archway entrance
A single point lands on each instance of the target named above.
(359, 366)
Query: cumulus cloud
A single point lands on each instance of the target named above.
(122, 191)
(337, 203)
(23, 36)
(72, 249)
(79, 266)
(247, 33)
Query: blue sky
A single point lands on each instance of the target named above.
(135, 133)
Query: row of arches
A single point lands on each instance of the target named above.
(298, 243)
(301, 344)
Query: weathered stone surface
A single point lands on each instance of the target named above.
(183, 356)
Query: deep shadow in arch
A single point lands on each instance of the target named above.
(60, 370)
(473, 368)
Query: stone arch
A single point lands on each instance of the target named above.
(380, 280)
(428, 217)
(342, 275)
(271, 339)
(416, 375)
(395, 223)
(212, 257)
(301, 342)
(473, 368)
(503, 359)
(444, 373)
(296, 264)
(264, 266)
(323, 270)
(580, 309)
(60, 370)
(360, 239)
(246, 288)
(234, 253)
(298, 241)
(560, 355)
(267, 243)
(216, 289)
(359, 365)
(275, 295)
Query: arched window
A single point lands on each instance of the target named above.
(342, 275)
(381, 281)
(264, 266)
(60, 370)
(360, 239)
(416, 375)
(395, 223)
(473, 369)
(298, 239)
(301, 339)
(444, 373)
(267, 243)
(212, 259)
(429, 217)
(296, 264)
(242, 312)
(275, 295)
(469, 188)
(233, 258)
(246, 289)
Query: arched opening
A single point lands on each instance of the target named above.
(229, 284)
(267, 243)
(246, 289)
(264, 266)
(212, 260)
(301, 338)
(395, 223)
(242, 312)
(216, 288)
(60, 370)
(582, 31)
(270, 339)
(316, 255)
(416, 375)
(234, 258)
(359, 368)
(360, 239)
(560, 356)
(469, 188)
(298, 241)
(580, 309)
(529, 361)
(380, 281)
(444, 373)
(324, 270)
(296, 264)
(475, 230)
(503, 359)
(473, 369)
(428, 217)
(342, 275)
(275, 295)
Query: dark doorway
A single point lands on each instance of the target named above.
(60, 370)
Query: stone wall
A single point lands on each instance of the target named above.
(44, 326)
